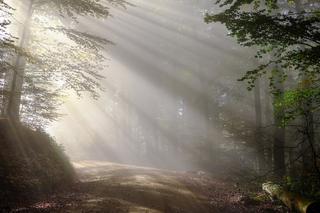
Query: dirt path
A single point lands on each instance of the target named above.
(115, 188)
(138, 189)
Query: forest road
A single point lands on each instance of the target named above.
(115, 188)
(123, 188)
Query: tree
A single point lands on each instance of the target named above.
(8, 48)
(285, 38)
(33, 76)
(258, 135)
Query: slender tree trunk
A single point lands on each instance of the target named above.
(309, 150)
(204, 107)
(278, 149)
(267, 122)
(258, 136)
(309, 153)
(279, 135)
(13, 106)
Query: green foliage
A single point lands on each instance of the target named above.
(286, 38)
(298, 102)
(293, 40)
(77, 7)
(74, 8)
(67, 60)
(59, 58)
(308, 185)
(7, 47)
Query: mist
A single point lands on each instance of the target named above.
(159, 106)
(170, 81)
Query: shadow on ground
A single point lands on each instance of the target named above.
(115, 188)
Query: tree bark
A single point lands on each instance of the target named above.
(13, 106)
(267, 122)
(291, 200)
(258, 138)
(309, 153)
(279, 135)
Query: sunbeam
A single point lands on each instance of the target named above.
(159, 106)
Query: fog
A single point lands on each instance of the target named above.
(159, 106)
(171, 97)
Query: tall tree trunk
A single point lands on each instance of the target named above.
(309, 152)
(279, 133)
(310, 157)
(258, 136)
(278, 148)
(13, 106)
(267, 122)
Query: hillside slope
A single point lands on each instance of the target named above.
(32, 165)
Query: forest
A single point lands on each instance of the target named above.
(173, 106)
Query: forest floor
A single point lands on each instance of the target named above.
(115, 188)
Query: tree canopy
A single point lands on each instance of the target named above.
(68, 59)
(286, 35)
